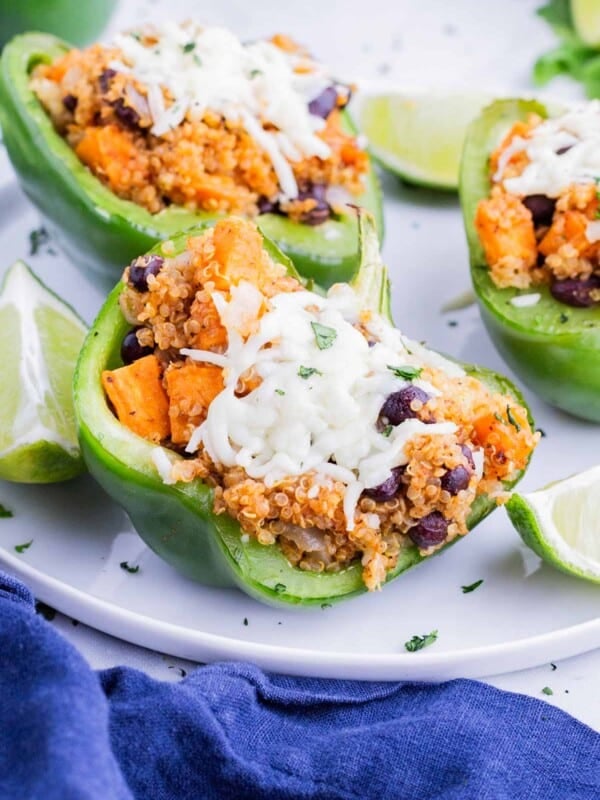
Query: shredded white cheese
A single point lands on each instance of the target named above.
(526, 300)
(561, 151)
(319, 400)
(252, 83)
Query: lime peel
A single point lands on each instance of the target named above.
(561, 523)
(40, 338)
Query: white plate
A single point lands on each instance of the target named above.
(525, 613)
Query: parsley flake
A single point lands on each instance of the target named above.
(255, 73)
(20, 548)
(245, 620)
(387, 430)
(5, 513)
(564, 317)
(45, 611)
(325, 605)
(187, 48)
(512, 420)
(37, 239)
(419, 642)
(129, 568)
(472, 586)
(279, 391)
(306, 372)
(547, 690)
(553, 665)
(324, 335)
(280, 588)
(408, 373)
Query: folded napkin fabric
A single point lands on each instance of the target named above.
(234, 731)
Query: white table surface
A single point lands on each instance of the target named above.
(476, 44)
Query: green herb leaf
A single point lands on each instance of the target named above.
(280, 588)
(419, 642)
(279, 391)
(245, 620)
(37, 239)
(306, 372)
(326, 605)
(564, 317)
(387, 430)
(5, 513)
(325, 336)
(512, 420)
(44, 610)
(547, 690)
(557, 13)
(255, 73)
(472, 586)
(499, 417)
(129, 568)
(20, 548)
(408, 373)
(187, 48)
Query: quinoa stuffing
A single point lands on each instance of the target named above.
(540, 223)
(321, 429)
(192, 116)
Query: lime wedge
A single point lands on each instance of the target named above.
(40, 338)
(562, 523)
(418, 137)
(586, 19)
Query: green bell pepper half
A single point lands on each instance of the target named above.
(552, 347)
(101, 232)
(177, 521)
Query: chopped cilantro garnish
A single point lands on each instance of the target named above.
(44, 610)
(472, 586)
(419, 642)
(553, 665)
(245, 620)
(408, 373)
(37, 239)
(5, 513)
(547, 690)
(499, 417)
(542, 432)
(20, 548)
(187, 48)
(306, 372)
(326, 605)
(280, 588)
(197, 60)
(324, 335)
(255, 73)
(129, 568)
(387, 430)
(564, 317)
(512, 420)
(279, 391)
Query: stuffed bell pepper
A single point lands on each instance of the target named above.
(123, 145)
(529, 189)
(292, 442)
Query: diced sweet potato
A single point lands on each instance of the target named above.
(110, 152)
(138, 397)
(505, 228)
(238, 249)
(211, 335)
(191, 389)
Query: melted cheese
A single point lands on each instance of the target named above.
(315, 409)
(253, 83)
(549, 170)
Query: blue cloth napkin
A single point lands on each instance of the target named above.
(233, 731)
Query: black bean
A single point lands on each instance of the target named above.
(388, 489)
(105, 79)
(69, 101)
(127, 115)
(141, 267)
(456, 479)
(131, 349)
(467, 453)
(398, 406)
(321, 211)
(430, 530)
(576, 291)
(266, 206)
(324, 103)
(541, 207)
